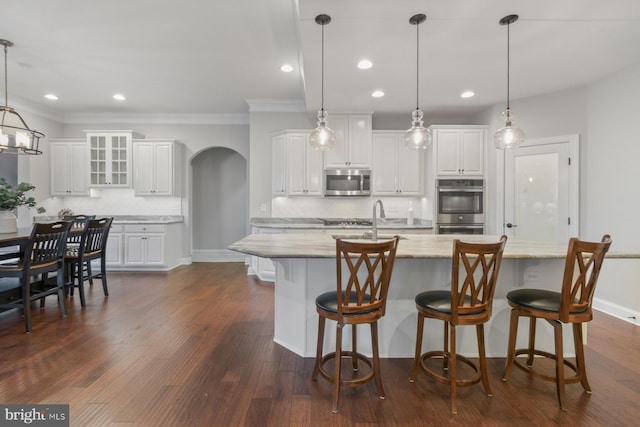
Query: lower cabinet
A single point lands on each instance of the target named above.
(143, 246)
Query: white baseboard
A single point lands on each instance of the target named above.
(217, 255)
(615, 310)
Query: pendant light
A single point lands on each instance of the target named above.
(417, 137)
(509, 136)
(15, 135)
(322, 137)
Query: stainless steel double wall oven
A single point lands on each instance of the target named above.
(460, 206)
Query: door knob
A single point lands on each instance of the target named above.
(509, 225)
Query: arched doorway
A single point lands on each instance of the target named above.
(219, 204)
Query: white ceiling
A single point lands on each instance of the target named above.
(212, 57)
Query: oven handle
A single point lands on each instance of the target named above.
(460, 190)
(460, 226)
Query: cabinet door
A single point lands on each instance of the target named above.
(69, 167)
(278, 164)
(385, 163)
(163, 169)
(154, 248)
(359, 146)
(110, 165)
(60, 165)
(113, 253)
(297, 152)
(447, 152)
(337, 157)
(313, 170)
(472, 152)
(143, 170)
(410, 170)
(134, 249)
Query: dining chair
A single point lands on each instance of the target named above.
(43, 254)
(78, 222)
(360, 298)
(93, 242)
(571, 305)
(474, 273)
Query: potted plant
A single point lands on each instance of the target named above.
(11, 198)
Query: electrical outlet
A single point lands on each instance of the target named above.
(531, 276)
(263, 207)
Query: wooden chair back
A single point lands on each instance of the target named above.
(46, 245)
(581, 271)
(473, 279)
(94, 237)
(77, 221)
(366, 282)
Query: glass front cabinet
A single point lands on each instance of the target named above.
(110, 158)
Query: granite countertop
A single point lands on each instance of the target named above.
(127, 219)
(346, 223)
(299, 245)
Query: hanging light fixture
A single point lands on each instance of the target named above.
(322, 137)
(417, 137)
(509, 136)
(15, 135)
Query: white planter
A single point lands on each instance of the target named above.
(8, 222)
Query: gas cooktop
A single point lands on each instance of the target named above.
(347, 222)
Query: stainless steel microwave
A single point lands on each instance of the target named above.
(347, 182)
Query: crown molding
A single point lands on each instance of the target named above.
(180, 119)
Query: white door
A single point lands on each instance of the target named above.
(541, 190)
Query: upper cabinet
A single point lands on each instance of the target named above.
(304, 166)
(459, 150)
(353, 141)
(278, 166)
(69, 168)
(109, 158)
(397, 170)
(156, 165)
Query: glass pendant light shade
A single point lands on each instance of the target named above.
(15, 135)
(322, 137)
(509, 136)
(418, 137)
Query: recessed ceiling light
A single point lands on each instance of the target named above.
(51, 97)
(467, 94)
(286, 68)
(377, 94)
(365, 64)
(119, 97)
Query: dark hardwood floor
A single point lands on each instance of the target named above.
(193, 347)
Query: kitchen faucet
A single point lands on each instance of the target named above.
(374, 221)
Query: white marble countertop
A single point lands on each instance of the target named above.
(127, 219)
(318, 223)
(299, 245)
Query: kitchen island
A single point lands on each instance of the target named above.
(305, 268)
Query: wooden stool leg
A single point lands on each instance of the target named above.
(532, 340)
(511, 349)
(354, 347)
(416, 359)
(580, 361)
(337, 361)
(557, 329)
(452, 369)
(483, 359)
(376, 359)
(316, 367)
(445, 359)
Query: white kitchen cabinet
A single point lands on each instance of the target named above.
(353, 141)
(278, 166)
(304, 166)
(69, 168)
(396, 170)
(110, 158)
(156, 166)
(144, 244)
(114, 254)
(459, 150)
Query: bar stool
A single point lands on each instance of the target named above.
(360, 299)
(571, 305)
(474, 272)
